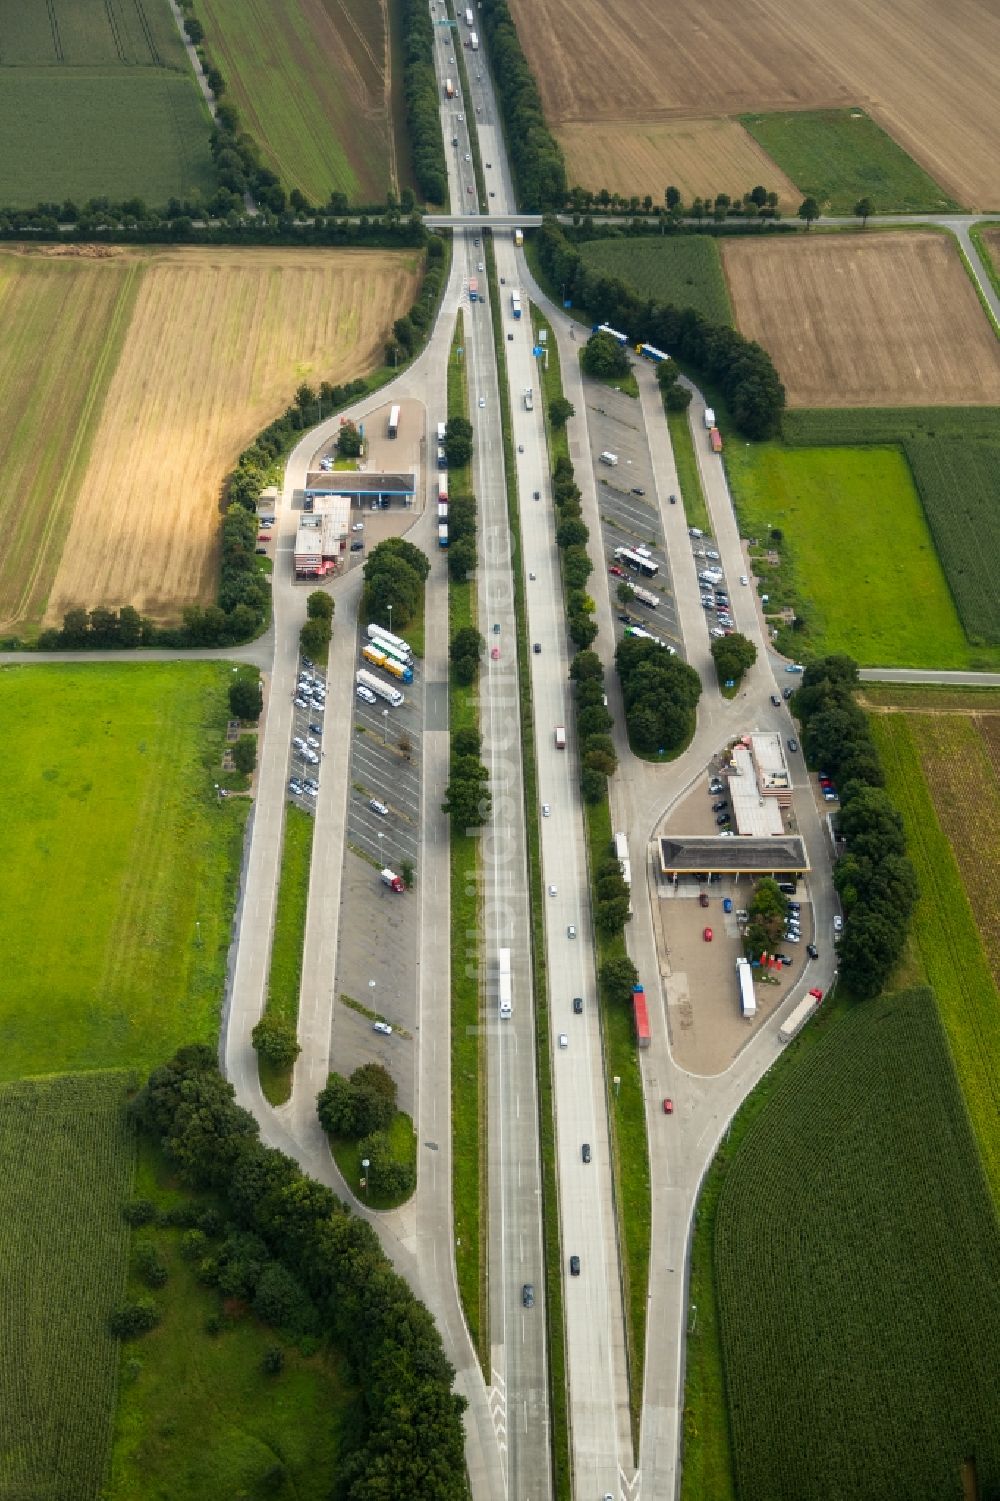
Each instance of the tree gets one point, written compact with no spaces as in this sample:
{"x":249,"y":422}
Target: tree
{"x":273,"y":1362}
{"x":466,"y":742}
{"x":586,"y":666}
{"x":374,"y":1098}
{"x":319,"y":605}
{"x":561,"y":409}
{"x":134,"y":1318}
{"x":678,"y":398}
{"x":571,"y":533}
{"x":458,"y":442}
{"x":672,"y":199}
{"x":758,"y":195}
{"x":336,"y":1107}
{"x":604,"y":358}
{"x":246,"y":698}
{"x":809,"y":211}
{"x":392,"y":583}
{"x":467,"y":646}
{"x":275,"y":1041}
{"x":245,"y":754}
{"x":733,"y":656}
{"x":467,"y":797}
{"x":349,"y":443}
{"x":582,"y":630}
{"x":618,"y":977}
{"x":864,"y":208}
{"x":314,"y":638}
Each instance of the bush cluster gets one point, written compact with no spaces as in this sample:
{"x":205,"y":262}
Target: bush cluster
{"x":874,"y":877}
{"x":463,"y":554}
{"x":317,"y":632}
{"x":536,"y":158}
{"x":394,"y":575}
{"x":572,"y":536}
{"x":468,"y":800}
{"x":363,"y":1107}
{"x":423,"y":108}
{"x":741,"y":369}
{"x":409,"y":1432}
{"x":593,"y":725}
{"x":661,"y":694}
{"x":733,"y":656}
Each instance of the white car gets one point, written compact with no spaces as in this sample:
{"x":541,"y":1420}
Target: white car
{"x":365,"y":694}
{"x":318,"y":706}
{"x":563,"y":1040}
{"x":710,"y":553}
{"x":546,"y":810}
{"x":480,"y":267}
{"x":382,"y":1027}
{"x":468,"y":158}
{"x":571,"y":931}
{"x":482,"y":401}
{"x":743,"y":578}
{"x":312,"y":742}
{"x":300,"y":702}
{"x":552,"y":890}
{"x":358,"y":526}
{"x":838,"y":923}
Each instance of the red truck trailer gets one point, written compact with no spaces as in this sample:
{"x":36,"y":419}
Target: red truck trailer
{"x":640,"y":1016}
{"x":715,"y":438}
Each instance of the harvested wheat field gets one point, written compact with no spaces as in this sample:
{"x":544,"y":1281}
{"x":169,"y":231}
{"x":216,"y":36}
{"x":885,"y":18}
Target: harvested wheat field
{"x":866,"y":319}
{"x":926,"y":72}
{"x":700,"y":157}
{"x":217,"y":342}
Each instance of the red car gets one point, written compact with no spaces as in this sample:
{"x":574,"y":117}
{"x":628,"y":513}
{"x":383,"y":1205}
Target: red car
{"x":703,"y":898}
{"x":619,"y":573}
{"x":668,"y":1107}
{"x":817,"y":995}
{"x":495,"y":654}
{"x":707,"y":935}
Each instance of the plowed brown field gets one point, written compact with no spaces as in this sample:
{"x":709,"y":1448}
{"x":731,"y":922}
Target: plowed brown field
{"x":866,"y":320}
{"x":645,"y":156}
{"x":927,"y":72}
{"x":216,"y":344}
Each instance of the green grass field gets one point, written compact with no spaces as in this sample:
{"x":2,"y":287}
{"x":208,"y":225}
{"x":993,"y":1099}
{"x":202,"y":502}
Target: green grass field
{"x":197,"y":1416}
{"x":119,"y":871}
{"x":688,"y":478}
{"x":310,"y":94}
{"x":856,"y":1253}
{"x":66,"y":1163}
{"x":955,"y":457}
{"x":99,"y":100}
{"x":858,"y":560}
{"x":285,"y":975}
{"x":945,"y":932}
{"x":840,"y":155}
{"x":685,"y":270}
{"x":403,"y":1147}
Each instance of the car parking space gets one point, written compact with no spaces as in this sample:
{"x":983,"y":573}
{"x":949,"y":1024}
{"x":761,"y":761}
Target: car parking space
{"x":379,"y":928}
{"x":307,"y":736}
{"x":716,"y":599}
{"x":629,"y":511}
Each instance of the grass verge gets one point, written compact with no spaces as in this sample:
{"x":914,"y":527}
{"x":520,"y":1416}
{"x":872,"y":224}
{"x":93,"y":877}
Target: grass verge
{"x":470,"y":1185}
{"x":206,"y":1357}
{"x":556,"y":1329}
{"x":402,"y":1148}
{"x":692,"y":495}
{"x":120,"y":862}
{"x":66,"y":1161}
{"x":285,"y":974}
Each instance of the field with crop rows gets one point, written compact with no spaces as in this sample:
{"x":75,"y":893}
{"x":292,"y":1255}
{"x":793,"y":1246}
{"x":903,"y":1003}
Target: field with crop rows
{"x":119,"y":873}
{"x":955,"y":458}
{"x":132,"y":381}
{"x":685,"y":271}
{"x":841,"y":155}
{"x":312,"y":81}
{"x":944,"y":804}
{"x":695,"y":156}
{"x":856,"y":1249}
{"x":856,"y":553}
{"x":923,"y":81}
{"x":865,"y":319}
{"x":98,"y":99}
{"x":66,"y":1162}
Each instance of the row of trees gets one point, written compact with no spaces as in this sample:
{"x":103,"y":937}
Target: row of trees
{"x":739,"y":367}
{"x":468,"y":801}
{"x":535,"y":155}
{"x":420,"y":93}
{"x":408,"y":1440}
{"x":572,"y":536}
{"x":463,"y":553}
{"x":362,"y":1108}
{"x":598,"y":760}
{"x":661,"y":694}
{"x":394,"y":574}
{"x":317,"y":632}
{"x":874,"y":877}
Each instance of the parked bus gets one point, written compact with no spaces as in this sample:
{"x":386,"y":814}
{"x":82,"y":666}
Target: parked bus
{"x":394,"y":422}
{"x":650,"y":352}
{"x":636,"y":562}
{"x":645,"y":597}
{"x":604,"y":328}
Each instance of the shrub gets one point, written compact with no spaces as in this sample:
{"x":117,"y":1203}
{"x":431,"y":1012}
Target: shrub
{"x":134,"y":1319}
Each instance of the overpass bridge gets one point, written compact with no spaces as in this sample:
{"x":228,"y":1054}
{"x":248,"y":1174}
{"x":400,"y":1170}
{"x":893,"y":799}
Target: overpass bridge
{"x":477,"y":221}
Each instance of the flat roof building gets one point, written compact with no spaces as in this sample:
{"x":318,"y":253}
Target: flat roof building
{"x":753,"y":812}
{"x":321,"y":537}
{"x":707,"y":854}
{"x":361,"y":487}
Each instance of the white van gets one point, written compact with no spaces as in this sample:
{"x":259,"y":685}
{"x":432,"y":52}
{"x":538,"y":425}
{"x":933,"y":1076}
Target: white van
{"x":609,"y":458}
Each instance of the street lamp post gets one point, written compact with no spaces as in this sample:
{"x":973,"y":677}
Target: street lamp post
{"x":389,"y":608}
{"x":385,"y":730}
{"x":365,"y":1164}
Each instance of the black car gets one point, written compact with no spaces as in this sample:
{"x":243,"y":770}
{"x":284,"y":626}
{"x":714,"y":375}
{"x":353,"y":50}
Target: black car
{"x":578,"y":1005}
{"x":537,"y":647}
{"x":812,"y":951}
{"x":787,"y":692}
{"x":720,"y":807}
{"x":315,"y":729}
{"x":723,"y":818}
{"x":536,"y":494}
{"x":528,"y":1295}
{"x":793,"y":744}
{"x":585,"y":1151}
{"x":625,"y":619}
{"x":715,"y":787}
{"x":357,"y":547}
{"x":574,"y":1266}
{"x":638,"y":490}
{"x":673,"y":500}
{"x":776,"y":701}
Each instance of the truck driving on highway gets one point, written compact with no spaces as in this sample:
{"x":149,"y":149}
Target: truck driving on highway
{"x":560,"y":737}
